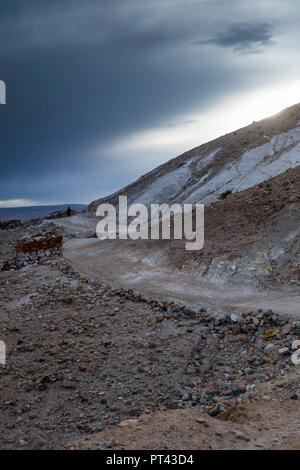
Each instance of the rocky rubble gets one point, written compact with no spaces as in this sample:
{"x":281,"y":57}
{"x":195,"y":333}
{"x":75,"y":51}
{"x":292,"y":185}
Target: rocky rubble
{"x":25,"y":259}
{"x":9,"y":225}
{"x":82,"y":355}
{"x":34,"y":249}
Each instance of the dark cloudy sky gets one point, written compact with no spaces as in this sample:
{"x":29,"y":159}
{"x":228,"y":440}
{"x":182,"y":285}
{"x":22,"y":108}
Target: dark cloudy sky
{"x":101,"y":91}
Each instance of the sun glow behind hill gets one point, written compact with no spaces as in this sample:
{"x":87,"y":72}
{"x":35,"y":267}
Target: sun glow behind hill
{"x":267,"y":102}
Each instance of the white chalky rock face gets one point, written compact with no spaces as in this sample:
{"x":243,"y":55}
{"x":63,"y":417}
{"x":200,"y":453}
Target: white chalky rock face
{"x":252,"y":167}
{"x":172,"y":184}
{"x":165,"y":187}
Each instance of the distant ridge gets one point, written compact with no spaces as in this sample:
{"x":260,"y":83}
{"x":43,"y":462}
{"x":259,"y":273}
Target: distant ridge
{"x":34,"y":212}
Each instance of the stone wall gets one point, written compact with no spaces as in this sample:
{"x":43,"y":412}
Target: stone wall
{"x":43,"y":243}
{"x":34,"y":249}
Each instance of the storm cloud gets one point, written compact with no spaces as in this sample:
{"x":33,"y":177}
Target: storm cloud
{"x":243,"y":37}
{"x":100,"y":92}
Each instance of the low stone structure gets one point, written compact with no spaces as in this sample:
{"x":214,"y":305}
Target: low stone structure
{"x":42,"y":243}
{"x":34,"y":249}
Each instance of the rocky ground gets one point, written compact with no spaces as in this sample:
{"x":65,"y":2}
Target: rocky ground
{"x":243,"y":427}
{"x":83,"y":357}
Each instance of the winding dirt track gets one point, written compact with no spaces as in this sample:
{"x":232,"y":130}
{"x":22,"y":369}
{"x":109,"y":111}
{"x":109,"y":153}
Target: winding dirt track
{"x":142,"y":266}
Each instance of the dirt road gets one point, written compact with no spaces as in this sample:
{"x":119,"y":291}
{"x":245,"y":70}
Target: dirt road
{"x":144,"y":267}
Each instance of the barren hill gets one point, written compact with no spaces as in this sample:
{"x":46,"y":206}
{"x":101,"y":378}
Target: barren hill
{"x":249,"y":182}
{"x":235,"y":162}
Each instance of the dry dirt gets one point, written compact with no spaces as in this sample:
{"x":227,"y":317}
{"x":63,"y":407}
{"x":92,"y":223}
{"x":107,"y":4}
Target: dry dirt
{"x":256,"y":426}
{"x":127,"y":264}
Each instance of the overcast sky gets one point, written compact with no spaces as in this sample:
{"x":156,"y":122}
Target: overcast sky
{"x":100,"y":92}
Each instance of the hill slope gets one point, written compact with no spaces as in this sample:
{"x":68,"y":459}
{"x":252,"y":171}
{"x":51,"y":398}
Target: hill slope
{"x":235,"y":162}
{"x":251,"y":235}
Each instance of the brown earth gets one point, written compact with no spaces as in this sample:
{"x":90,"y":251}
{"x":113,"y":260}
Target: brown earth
{"x":256,"y":426}
{"x":243,"y":219}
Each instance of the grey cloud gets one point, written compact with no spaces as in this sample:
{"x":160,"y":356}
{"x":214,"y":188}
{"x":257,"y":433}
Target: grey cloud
{"x":80,"y":75}
{"x":41,"y":26}
{"x":243,"y":37}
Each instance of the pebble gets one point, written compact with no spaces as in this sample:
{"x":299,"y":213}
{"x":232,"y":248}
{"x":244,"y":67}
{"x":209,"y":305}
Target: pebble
{"x":109,"y":444}
{"x":283,"y":351}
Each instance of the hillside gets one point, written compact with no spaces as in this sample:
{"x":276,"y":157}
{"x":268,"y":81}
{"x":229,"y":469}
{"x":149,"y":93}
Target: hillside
{"x":249,"y":182}
{"x":235,"y":162}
